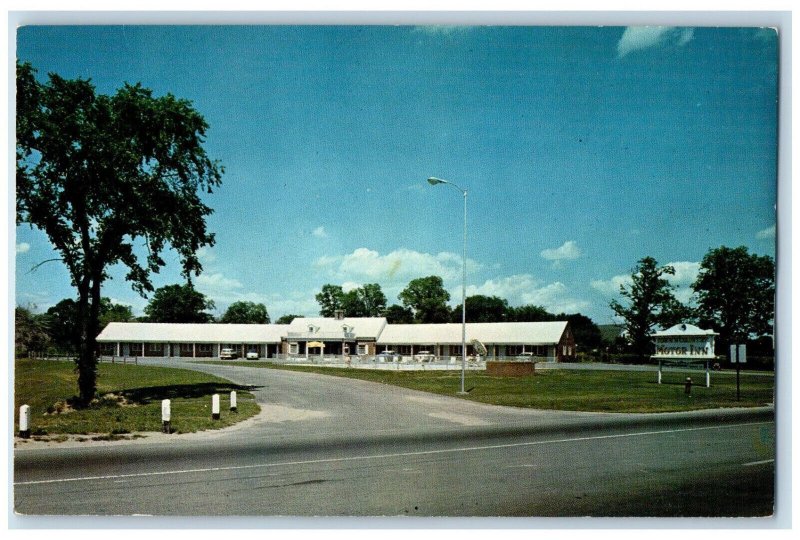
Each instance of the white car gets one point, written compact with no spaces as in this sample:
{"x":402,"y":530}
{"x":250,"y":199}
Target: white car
{"x":424,"y":356}
{"x":228,"y":353}
{"x":391,"y":356}
{"x":252,"y":355}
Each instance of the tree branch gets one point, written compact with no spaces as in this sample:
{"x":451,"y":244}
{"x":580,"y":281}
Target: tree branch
{"x":36,"y":267}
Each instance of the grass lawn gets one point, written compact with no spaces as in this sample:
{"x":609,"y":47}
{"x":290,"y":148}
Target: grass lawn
{"x":573,"y":390}
{"x":46,"y":385}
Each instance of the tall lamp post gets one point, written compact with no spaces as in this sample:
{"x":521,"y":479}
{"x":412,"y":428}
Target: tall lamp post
{"x":433,"y":181}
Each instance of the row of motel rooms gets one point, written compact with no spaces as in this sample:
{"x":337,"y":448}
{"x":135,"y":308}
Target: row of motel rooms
{"x":340,"y":336}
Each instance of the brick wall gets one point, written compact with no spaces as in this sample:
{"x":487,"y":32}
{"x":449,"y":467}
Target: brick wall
{"x":510,"y":369}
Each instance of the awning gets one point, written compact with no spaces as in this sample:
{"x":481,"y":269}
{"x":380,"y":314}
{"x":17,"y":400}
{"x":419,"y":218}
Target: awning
{"x":315,"y":344}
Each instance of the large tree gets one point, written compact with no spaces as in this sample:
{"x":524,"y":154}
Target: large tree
{"x":365,"y":301}
{"x":650,"y":300}
{"x":329,"y":299}
{"x":179,"y":304}
{"x":243,"y":312}
{"x":736,"y":294}
{"x":482,"y":308}
{"x":428,"y":299}
{"x":101,"y":174}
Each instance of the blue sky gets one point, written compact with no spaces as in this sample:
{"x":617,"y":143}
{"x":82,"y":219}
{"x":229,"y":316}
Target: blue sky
{"x":583,"y":149}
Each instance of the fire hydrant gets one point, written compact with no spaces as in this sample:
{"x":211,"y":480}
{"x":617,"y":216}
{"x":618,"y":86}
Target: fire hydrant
{"x":688,"y":386}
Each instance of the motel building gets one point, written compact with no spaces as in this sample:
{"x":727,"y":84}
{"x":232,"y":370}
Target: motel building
{"x":341,"y":339}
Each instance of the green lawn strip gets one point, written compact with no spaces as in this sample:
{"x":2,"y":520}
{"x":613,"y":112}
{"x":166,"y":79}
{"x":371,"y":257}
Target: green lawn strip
{"x":571,"y":390}
{"x":43,"y":385}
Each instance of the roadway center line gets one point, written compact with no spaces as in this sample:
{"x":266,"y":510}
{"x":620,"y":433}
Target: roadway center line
{"x":382,"y":456}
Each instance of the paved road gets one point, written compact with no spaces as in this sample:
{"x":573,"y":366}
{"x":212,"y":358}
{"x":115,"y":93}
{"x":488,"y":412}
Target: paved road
{"x":332,"y":446}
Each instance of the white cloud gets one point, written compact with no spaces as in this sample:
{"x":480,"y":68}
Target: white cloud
{"x":521,"y":289}
{"x":217,"y":282}
{"x":567,"y":251}
{"x":399,"y":265}
{"x":610,"y":287}
{"x":23,"y":247}
{"x":636,"y":38}
{"x":769,"y":232}
{"x":206,"y":255}
{"x":685,"y":274}
{"x":319,"y":232}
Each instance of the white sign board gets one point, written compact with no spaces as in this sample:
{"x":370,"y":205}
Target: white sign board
{"x":742,"y":354}
{"x":683,"y":347}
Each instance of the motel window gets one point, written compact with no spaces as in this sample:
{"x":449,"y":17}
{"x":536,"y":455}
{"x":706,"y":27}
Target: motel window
{"x":154,"y":349}
{"x":294,"y":348}
{"x":361,"y":349}
{"x":564,"y":350}
{"x":186,"y":349}
{"x":203,"y":349}
{"x":135,"y":349}
{"x":108,"y":349}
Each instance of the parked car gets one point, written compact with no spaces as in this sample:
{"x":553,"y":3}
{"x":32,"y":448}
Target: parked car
{"x":252,"y":355}
{"x":390,"y":356}
{"x":424,"y":356}
{"x":227,"y":353}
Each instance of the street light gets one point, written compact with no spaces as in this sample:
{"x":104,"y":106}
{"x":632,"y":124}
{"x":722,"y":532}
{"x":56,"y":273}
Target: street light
{"x":433,"y":181}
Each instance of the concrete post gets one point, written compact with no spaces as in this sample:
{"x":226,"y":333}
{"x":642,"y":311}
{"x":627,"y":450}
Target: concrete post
{"x":24,"y":421}
{"x":215,"y":407}
{"x":233,"y":401}
{"x":166,"y":416}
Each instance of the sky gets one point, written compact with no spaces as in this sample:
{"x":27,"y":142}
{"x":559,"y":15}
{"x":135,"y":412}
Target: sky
{"x":582,"y":150}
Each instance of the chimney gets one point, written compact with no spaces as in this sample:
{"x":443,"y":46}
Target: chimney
{"x":339,"y":314}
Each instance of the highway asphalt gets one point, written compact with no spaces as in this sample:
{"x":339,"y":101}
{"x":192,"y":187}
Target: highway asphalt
{"x":326,"y":446}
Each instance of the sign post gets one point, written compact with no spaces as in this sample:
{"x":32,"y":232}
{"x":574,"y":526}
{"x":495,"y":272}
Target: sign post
{"x":738,"y":357}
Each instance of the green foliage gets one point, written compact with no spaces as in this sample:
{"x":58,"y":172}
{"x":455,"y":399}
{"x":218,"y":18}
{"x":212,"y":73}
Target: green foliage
{"x":482,"y":308}
{"x":243,"y":312}
{"x":736,"y":294}
{"x":31,"y":331}
{"x":529,"y":313}
{"x":63,"y":320}
{"x":287,"y":319}
{"x":365,"y":301}
{"x":101,"y":174}
{"x":330,"y":300}
{"x":396,"y":314}
{"x":427,"y":298}
{"x":650,"y":303}
{"x":179,"y":304}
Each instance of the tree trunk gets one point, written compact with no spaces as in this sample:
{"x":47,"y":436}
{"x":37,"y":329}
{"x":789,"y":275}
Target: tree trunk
{"x":88,"y":317}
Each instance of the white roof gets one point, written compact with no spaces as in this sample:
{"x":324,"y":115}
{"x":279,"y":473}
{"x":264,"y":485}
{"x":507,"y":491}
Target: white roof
{"x":683,"y":330}
{"x":362,"y":327}
{"x":512,"y":333}
{"x":194,"y":333}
